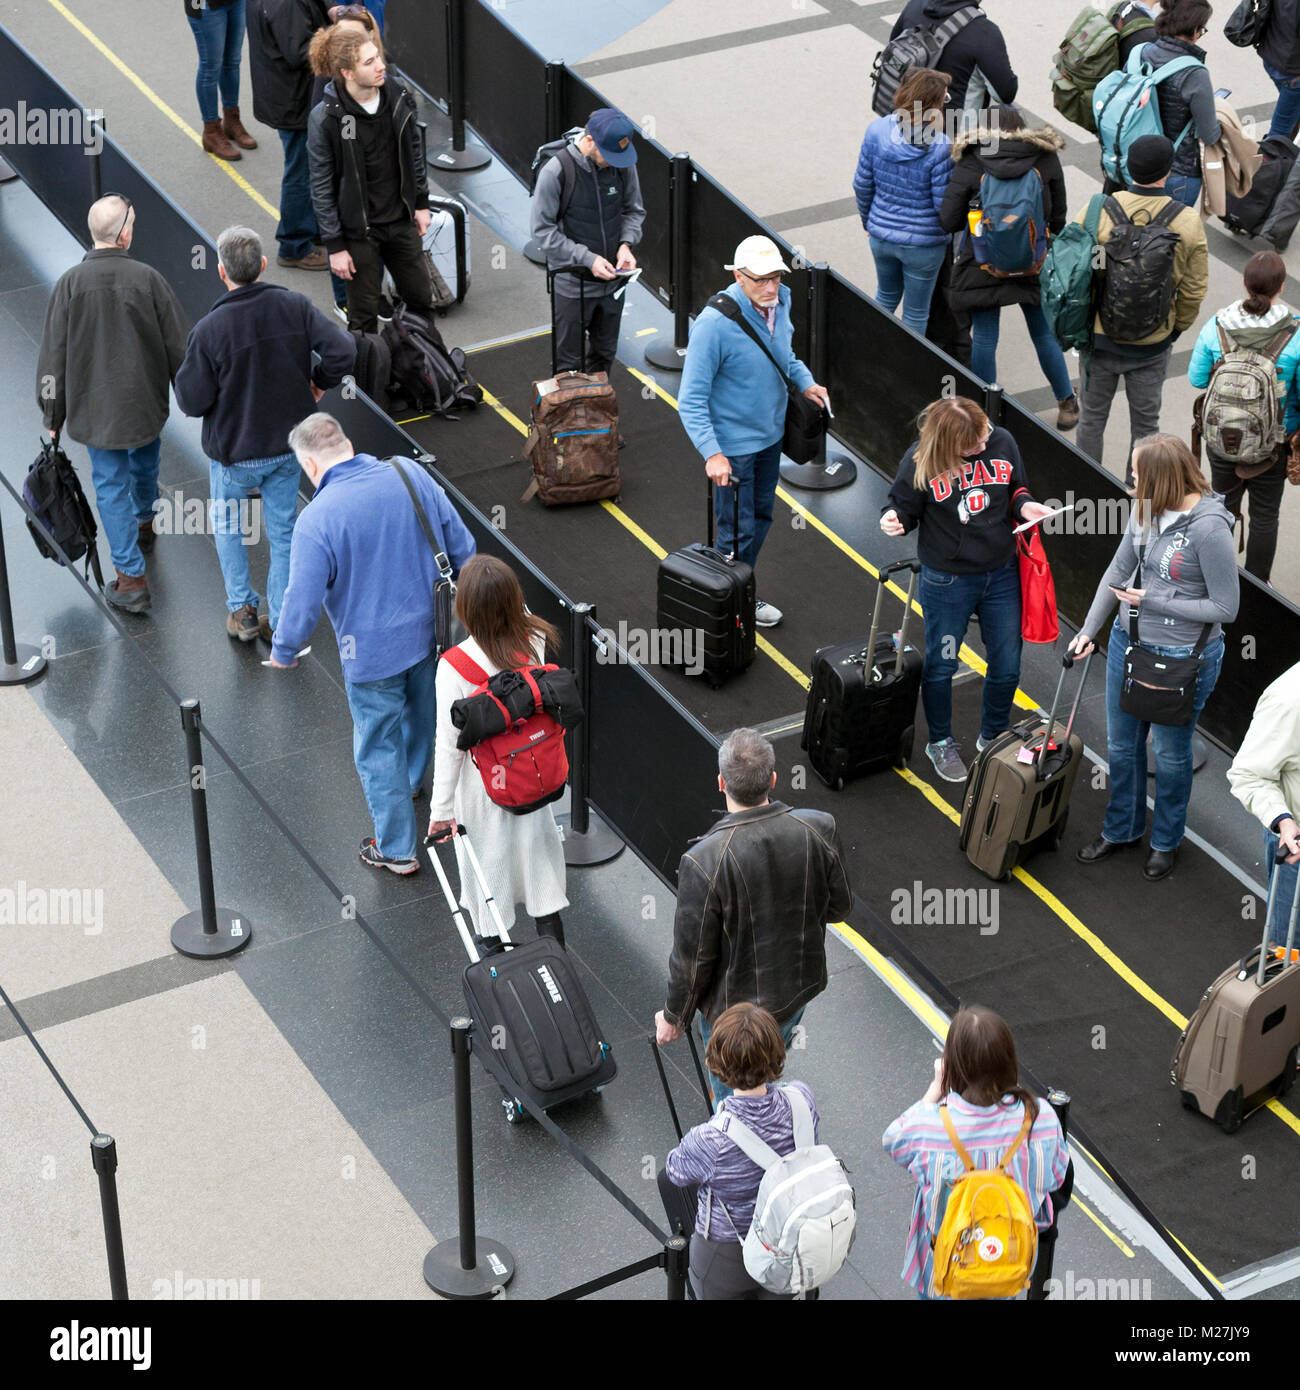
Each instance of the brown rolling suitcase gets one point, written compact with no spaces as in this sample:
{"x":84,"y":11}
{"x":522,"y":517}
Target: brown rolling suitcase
{"x":1239,"y":1048}
{"x":1018,"y":790}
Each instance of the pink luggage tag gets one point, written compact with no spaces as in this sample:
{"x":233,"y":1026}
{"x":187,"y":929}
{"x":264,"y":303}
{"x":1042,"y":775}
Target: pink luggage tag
{"x":1028,"y":754}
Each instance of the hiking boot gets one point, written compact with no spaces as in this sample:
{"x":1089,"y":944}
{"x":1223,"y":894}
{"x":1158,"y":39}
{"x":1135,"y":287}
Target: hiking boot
{"x":766,"y":614}
{"x":315,"y":259}
{"x":242,"y":623}
{"x":129,"y":592}
{"x":946,"y":757}
{"x":264,"y":629}
{"x":233,"y":129}
{"x":372,"y":859}
{"x":144,"y":534}
{"x":215,"y":141}
{"x":1067,"y":413}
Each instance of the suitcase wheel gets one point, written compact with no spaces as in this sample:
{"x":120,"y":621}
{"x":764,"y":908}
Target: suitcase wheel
{"x":1287,"y":1079}
{"x":1189,"y":1102}
{"x":514,"y":1111}
{"x":1231,"y":1112}
{"x":904,"y":753}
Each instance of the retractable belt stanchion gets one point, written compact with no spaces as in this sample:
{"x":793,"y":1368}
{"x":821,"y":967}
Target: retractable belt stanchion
{"x":456,"y":1268}
{"x":457,"y":154}
{"x":19,"y":662}
{"x":587,"y":839}
{"x":212,"y":930}
{"x":103,"y":1155}
{"x":668,"y":357}
{"x":1060,"y":1102}
{"x":831,"y":468}
{"x":677,"y":1262}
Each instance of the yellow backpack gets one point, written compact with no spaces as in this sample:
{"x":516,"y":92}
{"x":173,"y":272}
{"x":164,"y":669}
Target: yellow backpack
{"x":987,"y":1241}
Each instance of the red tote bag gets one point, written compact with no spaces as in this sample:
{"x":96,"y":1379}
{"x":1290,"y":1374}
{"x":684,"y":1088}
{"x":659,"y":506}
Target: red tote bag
{"x":1038,"y":618}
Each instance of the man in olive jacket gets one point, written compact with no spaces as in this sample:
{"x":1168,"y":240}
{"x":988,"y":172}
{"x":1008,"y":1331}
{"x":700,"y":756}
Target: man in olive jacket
{"x":753,"y":899}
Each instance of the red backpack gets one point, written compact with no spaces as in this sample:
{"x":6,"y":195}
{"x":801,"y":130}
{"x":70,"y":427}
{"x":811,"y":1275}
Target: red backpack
{"x":527,"y":766}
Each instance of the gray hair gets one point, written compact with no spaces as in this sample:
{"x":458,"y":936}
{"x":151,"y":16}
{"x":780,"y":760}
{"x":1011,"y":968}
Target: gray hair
{"x":746,"y":761}
{"x":316,"y":436}
{"x":107,"y":218}
{"x":239,"y":249}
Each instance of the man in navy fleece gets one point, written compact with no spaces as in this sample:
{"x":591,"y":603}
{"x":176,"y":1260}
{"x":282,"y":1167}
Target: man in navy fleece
{"x":360,"y":550}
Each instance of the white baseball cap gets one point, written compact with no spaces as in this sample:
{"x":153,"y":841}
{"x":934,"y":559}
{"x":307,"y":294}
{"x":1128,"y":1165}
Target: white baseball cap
{"x":758,"y":255}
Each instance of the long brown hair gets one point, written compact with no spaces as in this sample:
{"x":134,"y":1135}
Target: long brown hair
{"x":339,"y":46}
{"x":979,"y":1060}
{"x":1167,"y":472}
{"x":490,"y":603}
{"x":948,"y":427}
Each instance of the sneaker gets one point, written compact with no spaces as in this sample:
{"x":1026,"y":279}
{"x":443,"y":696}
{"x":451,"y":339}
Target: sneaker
{"x":946,"y":757}
{"x":982,"y":743}
{"x":129,"y":594}
{"x":242,"y":623}
{"x":315,"y":259}
{"x":372,"y":859}
{"x":385,"y":313}
{"x":341,"y":313}
{"x":766,"y":614}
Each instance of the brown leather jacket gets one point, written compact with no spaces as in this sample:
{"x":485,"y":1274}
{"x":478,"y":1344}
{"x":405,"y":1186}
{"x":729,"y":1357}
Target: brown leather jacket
{"x":753,"y":900}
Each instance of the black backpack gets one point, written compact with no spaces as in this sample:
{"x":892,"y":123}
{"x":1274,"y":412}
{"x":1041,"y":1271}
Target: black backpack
{"x":431,"y":376}
{"x":373,"y":369}
{"x":558,"y":149}
{"x":1137,"y":284}
{"x":53,"y":491}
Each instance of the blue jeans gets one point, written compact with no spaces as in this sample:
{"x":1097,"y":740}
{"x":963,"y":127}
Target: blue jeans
{"x":1183,"y":188}
{"x":720,"y":1088}
{"x":1286,"y":883}
{"x":126,"y":487}
{"x":756,"y":477}
{"x":984,"y":325}
{"x":392,"y":742}
{"x":219,"y":35}
{"x":1286,"y":114}
{"x":297,"y":231}
{"x":229,"y":488}
{"x":907,"y":273}
{"x":1126,"y":743}
{"x":948,"y":602}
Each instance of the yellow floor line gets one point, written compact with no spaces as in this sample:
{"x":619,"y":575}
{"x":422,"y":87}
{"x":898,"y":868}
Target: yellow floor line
{"x":150,"y":95}
{"x":645,"y":332}
{"x":504,"y":412}
{"x":1077,"y":1201}
{"x":623,"y":519}
{"x":1208,"y":1274}
{"x":412,"y":419}
{"x":916,"y":1001}
{"x":507,"y":342}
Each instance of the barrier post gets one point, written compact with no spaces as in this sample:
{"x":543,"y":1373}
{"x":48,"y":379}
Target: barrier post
{"x":457,"y":153}
{"x":19,"y":662}
{"x":993,"y":403}
{"x":96,"y":175}
{"x":669,"y":357}
{"x":454,"y":1268}
{"x":1060,"y":1102}
{"x":552,"y":130}
{"x":103,"y":1156}
{"x":587,"y":839}
{"x":831,"y":468}
{"x":676,"y":1261}
{"x":211,"y":931}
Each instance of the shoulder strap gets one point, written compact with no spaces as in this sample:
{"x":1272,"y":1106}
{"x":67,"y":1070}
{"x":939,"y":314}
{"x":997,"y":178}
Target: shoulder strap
{"x":1136,"y":583}
{"x":1165,"y":217}
{"x":805,"y":1135}
{"x":460,"y":662}
{"x":1227,"y":343}
{"x":952,"y":1135}
{"x":728,"y":308}
{"x":1025,"y":1126}
{"x":1277,"y":347}
{"x":568,"y":182}
{"x":1092,"y":218}
{"x":1115,"y":210}
{"x":746,"y":1140}
{"x":435,"y":542}
{"x":956,"y":22}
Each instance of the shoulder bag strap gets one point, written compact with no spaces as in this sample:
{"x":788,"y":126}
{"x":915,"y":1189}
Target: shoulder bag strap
{"x":952,"y":1135}
{"x":728,"y":308}
{"x":1136,"y":583}
{"x":439,"y":554}
{"x":805,"y":1135}
{"x":1026,"y":1125}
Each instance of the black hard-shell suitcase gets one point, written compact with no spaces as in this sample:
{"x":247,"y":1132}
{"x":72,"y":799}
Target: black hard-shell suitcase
{"x":1249,"y":214}
{"x":708,"y":597}
{"x":528,"y":1003}
{"x":681,"y":1204}
{"x":862,"y":702}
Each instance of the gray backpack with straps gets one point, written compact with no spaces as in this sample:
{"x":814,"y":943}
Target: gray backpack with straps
{"x":1241,"y":418}
{"x":804,"y":1214}
{"x":921,"y":47}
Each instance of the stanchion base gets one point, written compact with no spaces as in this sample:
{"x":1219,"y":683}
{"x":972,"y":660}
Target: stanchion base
{"x":665,"y":356}
{"x":7,"y":171}
{"x":29,"y":665}
{"x":234,"y":932}
{"x":533,"y":251}
{"x":598,"y":844}
{"x":1200,"y":756}
{"x":839,"y":470}
{"x":473,"y":156}
{"x":444,"y":1275}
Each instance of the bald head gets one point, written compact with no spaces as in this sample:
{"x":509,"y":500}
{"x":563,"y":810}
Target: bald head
{"x":111,"y":221}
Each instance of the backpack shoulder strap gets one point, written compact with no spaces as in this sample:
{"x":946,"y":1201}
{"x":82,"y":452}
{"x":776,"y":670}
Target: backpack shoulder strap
{"x":1092,"y":218}
{"x":956,"y":22}
{"x":746,"y":1140}
{"x":1165,"y":217}
{"x":1277,"y":347}
{"x":1026,"y":1125}
{"x":568,"y":181}
{"x":804,"y":1134}
{"x":1115,"y":211}
{"x":1227,"y":343}
{"x":460,"y":662}
{"x":953,"y":1137}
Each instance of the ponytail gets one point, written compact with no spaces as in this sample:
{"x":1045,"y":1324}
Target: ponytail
{"x":1264,"y":276}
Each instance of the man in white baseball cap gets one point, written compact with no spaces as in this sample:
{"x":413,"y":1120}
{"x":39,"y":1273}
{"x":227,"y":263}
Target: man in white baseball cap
{"x":733,"y":397}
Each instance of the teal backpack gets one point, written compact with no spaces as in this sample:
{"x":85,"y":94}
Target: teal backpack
{"x":1010,"y":237}
{"x":1066,"y":282}
{"x":1126,"y":108}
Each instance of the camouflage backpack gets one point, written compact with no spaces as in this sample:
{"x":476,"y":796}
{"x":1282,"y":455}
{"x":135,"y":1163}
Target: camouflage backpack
{"x":1241,"y":417}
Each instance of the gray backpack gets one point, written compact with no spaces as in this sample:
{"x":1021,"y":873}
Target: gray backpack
{"x":1242,"y":414}
{"x":804,"y":1214}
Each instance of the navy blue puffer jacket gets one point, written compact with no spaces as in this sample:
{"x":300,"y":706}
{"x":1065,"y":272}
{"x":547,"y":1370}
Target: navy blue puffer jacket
{"x":901,"y":177}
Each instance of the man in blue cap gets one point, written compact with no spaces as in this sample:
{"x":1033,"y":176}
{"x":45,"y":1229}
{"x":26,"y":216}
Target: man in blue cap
{"x":587,"y":212}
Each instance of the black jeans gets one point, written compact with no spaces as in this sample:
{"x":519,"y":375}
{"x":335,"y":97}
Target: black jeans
{"x":1265,"y":492}
{"x":395,"y":245}
{"x":599,"y":315}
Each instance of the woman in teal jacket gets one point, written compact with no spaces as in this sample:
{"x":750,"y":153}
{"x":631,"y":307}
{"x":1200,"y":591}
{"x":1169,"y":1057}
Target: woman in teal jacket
{"x":1257,"y":321}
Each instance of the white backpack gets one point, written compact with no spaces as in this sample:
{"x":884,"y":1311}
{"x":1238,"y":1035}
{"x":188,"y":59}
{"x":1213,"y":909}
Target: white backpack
{"x":804,"y":1214}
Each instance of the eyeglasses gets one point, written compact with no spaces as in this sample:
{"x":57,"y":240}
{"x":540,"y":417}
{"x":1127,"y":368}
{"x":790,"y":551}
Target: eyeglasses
{"x":358,"y":12}
{"x":763,"y":279}
{"x":130,"y":208}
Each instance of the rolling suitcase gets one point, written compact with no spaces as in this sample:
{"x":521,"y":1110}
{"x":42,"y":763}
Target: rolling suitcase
{"x":1239,"y":1048}
{"x":1248,"y":215}
{"x":703,"y":592}
{"x":1018,"y":790}
{"x":529,"y":1004}
{"x":446,"y":245}
{"x":862,"y":702}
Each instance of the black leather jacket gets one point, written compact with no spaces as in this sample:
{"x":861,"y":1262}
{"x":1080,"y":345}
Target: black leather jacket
{"x":753,"y":900}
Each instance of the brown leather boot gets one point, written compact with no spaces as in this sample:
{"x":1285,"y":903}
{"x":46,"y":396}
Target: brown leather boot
{"x":233,"y":128}
{"x":215,"y":142}
{"x":128,"y":592}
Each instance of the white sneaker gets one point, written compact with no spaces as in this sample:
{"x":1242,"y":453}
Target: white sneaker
{"x":341,"y":313}
{"x":766,"y":614}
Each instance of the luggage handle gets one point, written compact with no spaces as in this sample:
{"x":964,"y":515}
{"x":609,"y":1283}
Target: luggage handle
{"x":1067,"y":661}
{"x":579,"y":271}
{"x":735,"y":516}
{"x":457,"y":915}
{"x":1268,"y":919}
{"x":663,"y":1081}
{"x":477,"y":868}
{"x":914,"y":566}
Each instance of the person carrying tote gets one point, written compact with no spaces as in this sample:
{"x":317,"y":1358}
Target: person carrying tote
{"x":1176,"y":578}
{"x":963,"y":487}
{"x":1259,"y":323}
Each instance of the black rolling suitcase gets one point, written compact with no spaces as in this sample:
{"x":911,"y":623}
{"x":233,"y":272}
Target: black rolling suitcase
{"x":862,"y":703}
{"x":708,"y":597}
{"x":681,"y":1204}
{"x":530,"y":1000}
{"x":1249,"y":214}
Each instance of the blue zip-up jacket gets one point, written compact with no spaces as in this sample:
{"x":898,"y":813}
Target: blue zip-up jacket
{"x":732,"y":399}
{"x":900,"y":182}
{"x":358,"y":549}
{"x":1248,"y":331}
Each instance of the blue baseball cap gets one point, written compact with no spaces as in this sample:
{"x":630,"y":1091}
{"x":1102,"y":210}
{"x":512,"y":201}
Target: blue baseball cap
{"x":613,"y":132}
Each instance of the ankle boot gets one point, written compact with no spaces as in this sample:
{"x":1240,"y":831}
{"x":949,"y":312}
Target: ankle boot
{"x":233,"y":129}
{"x":1067,"y":413}
{"x":551,"y":926}
{"x":215,"y":141}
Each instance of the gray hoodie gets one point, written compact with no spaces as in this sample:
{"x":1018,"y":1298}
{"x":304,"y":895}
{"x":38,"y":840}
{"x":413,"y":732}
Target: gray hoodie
{"x":1189,"y":574}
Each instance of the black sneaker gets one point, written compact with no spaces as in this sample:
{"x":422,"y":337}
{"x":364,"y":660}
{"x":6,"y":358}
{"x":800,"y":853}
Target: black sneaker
{"x":372,"y":859}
